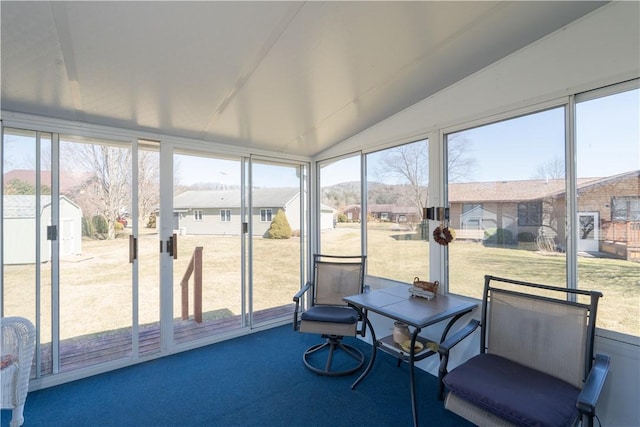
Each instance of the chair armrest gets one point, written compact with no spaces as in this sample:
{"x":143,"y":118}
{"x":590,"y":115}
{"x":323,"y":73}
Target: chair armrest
{"x":450,"y":342}
{"x":296,"y":299}
{"x":588,"y":397}
{"x":298,"y":295}
{"x":445,"y":346}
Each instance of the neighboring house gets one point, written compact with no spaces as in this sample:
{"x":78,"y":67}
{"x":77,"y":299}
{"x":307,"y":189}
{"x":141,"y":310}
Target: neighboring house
{"x":19,"y":228}
{"x":217,"y":212}
{"x":394,"y":213}
{"x":352,"y":212}
{"x":609,"y":210}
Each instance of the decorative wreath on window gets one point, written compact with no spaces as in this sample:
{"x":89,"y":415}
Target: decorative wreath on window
{"x":443,"y":235}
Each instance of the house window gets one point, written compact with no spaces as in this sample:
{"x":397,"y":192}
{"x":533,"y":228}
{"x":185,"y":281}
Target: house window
{"x":530,"y":213}
{"x":225,"y":215}
{"x":197,"y":215}
{"x":625,"y":209}
{"x":265,"y":215}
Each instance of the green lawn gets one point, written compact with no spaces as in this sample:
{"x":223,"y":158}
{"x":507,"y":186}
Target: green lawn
{"x":96,"y":291}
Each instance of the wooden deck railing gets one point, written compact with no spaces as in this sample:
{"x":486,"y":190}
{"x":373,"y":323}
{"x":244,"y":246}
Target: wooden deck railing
{"x":194,"y":267}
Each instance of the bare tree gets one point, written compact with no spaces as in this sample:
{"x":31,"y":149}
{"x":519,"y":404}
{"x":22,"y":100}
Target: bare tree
{"x":408,"y":164}
{"x":553,"y":169}
{"x":459,"y":165}
{"x":107,"y":189}
{"x":148,"y":183}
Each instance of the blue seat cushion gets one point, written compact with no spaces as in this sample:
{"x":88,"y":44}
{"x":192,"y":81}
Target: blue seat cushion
{"x":515,"y":392}
{"x":330,"y":314}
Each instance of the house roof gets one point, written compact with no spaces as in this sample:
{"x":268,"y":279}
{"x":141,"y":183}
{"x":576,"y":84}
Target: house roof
{"x":506,"y":191}
{"x":261,"y":197}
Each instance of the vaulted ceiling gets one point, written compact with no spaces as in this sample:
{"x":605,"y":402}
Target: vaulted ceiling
{"x":285,"y":77}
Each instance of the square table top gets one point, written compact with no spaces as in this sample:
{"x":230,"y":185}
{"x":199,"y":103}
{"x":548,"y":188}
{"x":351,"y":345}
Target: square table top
{"x":397,"y":303}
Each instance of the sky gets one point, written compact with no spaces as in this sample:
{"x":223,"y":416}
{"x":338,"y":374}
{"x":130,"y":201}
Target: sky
{"x":608,"y":135}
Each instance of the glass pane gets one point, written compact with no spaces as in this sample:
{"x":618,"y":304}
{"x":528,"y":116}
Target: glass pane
{"x":397,"y":188}
{"x":27,"y":212}
{"x":209,"y":248}
{"x":608,"y":153}
{"x":276,"y":227}
{"x":506,"y":186}
{"x":148,"y":238}
{"x":340,"y":208}
{"x":95,"y":274}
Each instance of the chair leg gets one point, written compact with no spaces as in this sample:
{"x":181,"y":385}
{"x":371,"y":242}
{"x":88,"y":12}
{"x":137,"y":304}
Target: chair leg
{"x":334,"y":344}
{"x":17,"y":416}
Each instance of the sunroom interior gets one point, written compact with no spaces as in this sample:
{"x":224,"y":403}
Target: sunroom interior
{"x":151,"y":152}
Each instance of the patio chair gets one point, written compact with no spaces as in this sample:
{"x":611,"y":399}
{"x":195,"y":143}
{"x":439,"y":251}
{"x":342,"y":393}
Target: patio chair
{"x":536,"y":364}
{"x":334,"y":277}
{"x":18,"y":344}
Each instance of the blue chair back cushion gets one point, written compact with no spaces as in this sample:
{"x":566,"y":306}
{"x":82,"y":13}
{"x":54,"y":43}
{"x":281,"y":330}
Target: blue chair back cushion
{"x":320,"y":313}
{"x":514,"y":392}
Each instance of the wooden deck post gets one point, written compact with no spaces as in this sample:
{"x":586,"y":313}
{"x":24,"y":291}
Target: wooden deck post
{"x":194,"y":267}
{"x":197,"y":285}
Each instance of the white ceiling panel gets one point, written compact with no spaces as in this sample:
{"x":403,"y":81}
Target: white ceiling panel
{"x":285,"y":77}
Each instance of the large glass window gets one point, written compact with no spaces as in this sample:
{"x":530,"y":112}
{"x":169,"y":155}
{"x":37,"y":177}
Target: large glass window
{"x":397,"y":188}
{"x":340,"y":206}
{"x":506,"y":186}
{"x":608,"y":171}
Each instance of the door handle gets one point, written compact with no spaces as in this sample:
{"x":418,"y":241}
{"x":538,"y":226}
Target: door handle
{"x":133,"y":249}
{"x":172,"y":246}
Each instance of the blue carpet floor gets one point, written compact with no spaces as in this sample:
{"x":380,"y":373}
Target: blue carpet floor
{"x":255,"y":380}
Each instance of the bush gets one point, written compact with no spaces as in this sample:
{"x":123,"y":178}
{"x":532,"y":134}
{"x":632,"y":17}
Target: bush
{"x":100,"y":225}
{"x":87,"y":227}
{"x":499,"y":236}
{"x":279,"y":228}
{"x":151,"y":222}
{"x":526,"y":236}
{"x":342,"y":217}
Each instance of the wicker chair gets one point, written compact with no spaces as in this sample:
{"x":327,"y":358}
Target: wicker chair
{"x":334,"y":277}
{"x":18,"y":344}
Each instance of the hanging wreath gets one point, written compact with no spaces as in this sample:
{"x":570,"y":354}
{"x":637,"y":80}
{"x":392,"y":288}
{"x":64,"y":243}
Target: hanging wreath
{"x":443,"y":235}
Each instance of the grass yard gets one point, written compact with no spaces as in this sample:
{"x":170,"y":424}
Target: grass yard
{"x":96,"y":287}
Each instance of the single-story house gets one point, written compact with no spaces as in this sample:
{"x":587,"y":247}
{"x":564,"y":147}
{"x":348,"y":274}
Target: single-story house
{"x":394,"y":213}
{"x":217,"y":212}
{"x":19,"y":226}
{"x":538,"y":207}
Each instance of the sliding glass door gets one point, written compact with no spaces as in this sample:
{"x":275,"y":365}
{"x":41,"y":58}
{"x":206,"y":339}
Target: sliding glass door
{"x":206,"y":223}
{"x":278,"y":231}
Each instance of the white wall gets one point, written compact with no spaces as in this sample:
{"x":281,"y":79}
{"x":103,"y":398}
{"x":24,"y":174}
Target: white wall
{"x":602,"y":48}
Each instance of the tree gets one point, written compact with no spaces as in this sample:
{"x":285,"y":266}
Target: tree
{"x":408,"y":165}
{"x":553,"y":169}
{"x":279,"y":228}
{"x":107,"y":190}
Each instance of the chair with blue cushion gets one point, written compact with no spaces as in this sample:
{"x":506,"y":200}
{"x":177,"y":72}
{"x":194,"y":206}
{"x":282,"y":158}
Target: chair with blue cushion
{"x":536,"y":365}
{"x":334,"y":277}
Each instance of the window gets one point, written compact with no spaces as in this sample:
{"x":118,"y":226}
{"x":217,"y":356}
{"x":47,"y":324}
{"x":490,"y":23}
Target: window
{"x":625,"y":209}
{"x":607,"y":153}
{"x":397,"y":186}
{"x":197,"y":215}
{"x":530,"y":213}
{"x":265,"y":215}
{"x":494,"y":171}
{"x":225,"y":215}
{"x":340,"y":204}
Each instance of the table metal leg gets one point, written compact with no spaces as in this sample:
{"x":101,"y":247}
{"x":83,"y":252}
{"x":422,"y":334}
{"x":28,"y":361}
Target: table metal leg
{"x":374,"y":345}
{"x":412,"y":379}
